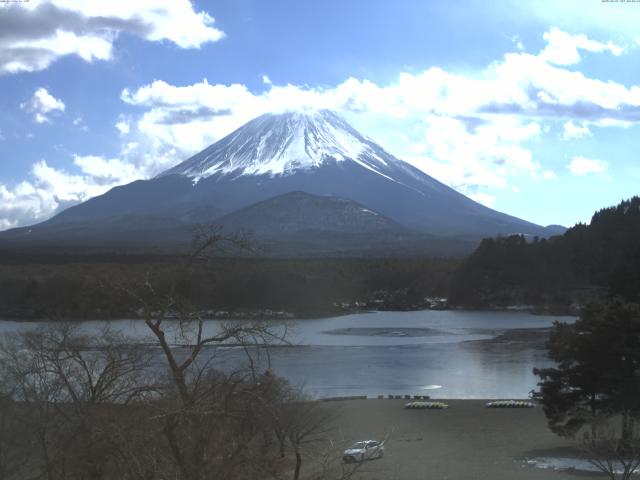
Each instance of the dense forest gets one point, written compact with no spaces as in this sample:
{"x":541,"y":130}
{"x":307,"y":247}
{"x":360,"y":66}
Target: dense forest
{"x":598,"y":260}
{"x":94,"y":286}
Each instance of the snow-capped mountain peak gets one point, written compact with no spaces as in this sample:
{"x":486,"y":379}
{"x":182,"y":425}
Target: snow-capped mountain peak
{"x":281,"y":144}
{"x":316,"y":154}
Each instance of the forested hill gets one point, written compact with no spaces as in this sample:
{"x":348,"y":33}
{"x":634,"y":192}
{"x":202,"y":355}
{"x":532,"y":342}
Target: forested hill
{"x":596,"y":260}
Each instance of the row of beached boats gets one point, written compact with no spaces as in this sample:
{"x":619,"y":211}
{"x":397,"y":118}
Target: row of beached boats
{"x":492,"y":404}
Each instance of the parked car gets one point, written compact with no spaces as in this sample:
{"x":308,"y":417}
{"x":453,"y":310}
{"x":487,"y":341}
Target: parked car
{"x":365,"y":450}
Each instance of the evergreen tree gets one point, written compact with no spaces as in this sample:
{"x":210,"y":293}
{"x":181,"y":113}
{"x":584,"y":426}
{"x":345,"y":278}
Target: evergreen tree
{"x":598,"y":369}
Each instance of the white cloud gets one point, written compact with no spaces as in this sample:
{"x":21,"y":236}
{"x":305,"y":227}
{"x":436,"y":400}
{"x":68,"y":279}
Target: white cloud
{"x":520,"y":84}
{"x":266,"y":80}
{"x":582,"y":166}
{"x":549,"y":175}
{"x":79,"y":122}
{"x":49,"y":190}
{"x":572,"y":130}
{"x":41,"y":104}
{"x":99,"y":170}
{"x":34,"y":34}
{"x":563,"y":48}
{"x":486,"y":156}
{"x":123,"y":126}
{"x":483,"y":198}
{"x":517,"y":42}
{"x":173,"y":20}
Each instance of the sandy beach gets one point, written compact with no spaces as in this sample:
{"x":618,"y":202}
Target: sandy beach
{"x":466,"y":441}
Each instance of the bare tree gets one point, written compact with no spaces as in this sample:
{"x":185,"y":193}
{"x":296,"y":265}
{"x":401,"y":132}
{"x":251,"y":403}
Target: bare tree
{"x":199,"y":402}
{"x":308,"y":422}
{"x":208,"y":416}
{"x":310,"y":428}
{"x":616,"y":458}
{"x":67,"y":387}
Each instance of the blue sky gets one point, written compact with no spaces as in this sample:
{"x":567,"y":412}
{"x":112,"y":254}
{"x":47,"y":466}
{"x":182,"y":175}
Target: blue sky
{"x":529,"y":107}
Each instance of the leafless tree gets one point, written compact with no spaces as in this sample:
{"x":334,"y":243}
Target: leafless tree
{"x":67,"y":388}
{"x":309,"y":428}
{"x":308,"y":423}
{"x":208,"y":416}
{"x":615,"y":458}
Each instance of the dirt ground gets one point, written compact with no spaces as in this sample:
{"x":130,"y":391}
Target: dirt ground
{"x":466,"y":441}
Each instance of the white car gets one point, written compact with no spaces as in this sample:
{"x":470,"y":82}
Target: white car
{"x":365,"y":450}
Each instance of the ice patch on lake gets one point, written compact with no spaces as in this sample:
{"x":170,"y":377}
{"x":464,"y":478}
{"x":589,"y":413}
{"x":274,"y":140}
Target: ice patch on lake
{"x":386,"y":332}
{"x":567,"y":464}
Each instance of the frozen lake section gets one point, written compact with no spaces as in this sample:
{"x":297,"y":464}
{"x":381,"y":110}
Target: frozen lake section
{"x":437,"y":353}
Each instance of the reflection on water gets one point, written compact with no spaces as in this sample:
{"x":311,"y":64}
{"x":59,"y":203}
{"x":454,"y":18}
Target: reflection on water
{"x":438,"y":351}
{"x":460,"y":371}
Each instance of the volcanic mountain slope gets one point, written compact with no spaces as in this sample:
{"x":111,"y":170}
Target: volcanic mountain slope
{"x":117,"y":233}
{"x":317,"y":153}
{"x":294,"y":224}
{"x":297,"y":212}
{"x":300,"y":224}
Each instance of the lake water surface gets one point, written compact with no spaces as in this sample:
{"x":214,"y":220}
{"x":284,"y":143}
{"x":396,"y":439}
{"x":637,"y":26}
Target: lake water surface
{"x":444,"y":354}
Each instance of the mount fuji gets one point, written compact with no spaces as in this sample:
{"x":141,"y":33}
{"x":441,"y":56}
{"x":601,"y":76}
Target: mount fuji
{"x":288,"y":177}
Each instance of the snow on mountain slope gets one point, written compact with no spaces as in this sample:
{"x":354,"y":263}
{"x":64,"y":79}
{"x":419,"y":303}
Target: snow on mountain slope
{"x":281,"y":144}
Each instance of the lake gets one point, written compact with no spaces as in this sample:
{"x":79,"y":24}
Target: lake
{"x":444,"y":354}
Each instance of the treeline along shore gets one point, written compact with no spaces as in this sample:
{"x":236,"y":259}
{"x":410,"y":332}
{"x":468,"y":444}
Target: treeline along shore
{"x":555,"y":275}
{"x":65,"y":286}
{"x":588,"y":262}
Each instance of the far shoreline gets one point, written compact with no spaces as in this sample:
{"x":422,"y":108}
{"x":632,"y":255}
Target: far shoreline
{"x":266,"y":315}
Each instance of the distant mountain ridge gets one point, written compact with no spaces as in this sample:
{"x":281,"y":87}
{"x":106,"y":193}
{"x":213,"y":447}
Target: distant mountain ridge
{"x":317,"y":153}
